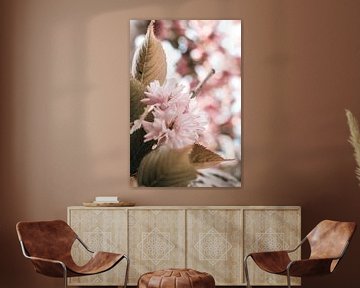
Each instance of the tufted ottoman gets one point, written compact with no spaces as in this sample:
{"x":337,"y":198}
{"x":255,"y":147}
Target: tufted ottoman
{"x":176,"y":278}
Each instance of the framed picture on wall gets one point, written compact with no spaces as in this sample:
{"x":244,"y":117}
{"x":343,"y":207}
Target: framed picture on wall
{"x":185,"y":103}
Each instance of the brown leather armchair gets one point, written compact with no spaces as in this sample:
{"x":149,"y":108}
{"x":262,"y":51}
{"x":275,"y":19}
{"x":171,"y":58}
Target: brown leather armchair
{"x":48,"y":245}
{"x":328,"y":242}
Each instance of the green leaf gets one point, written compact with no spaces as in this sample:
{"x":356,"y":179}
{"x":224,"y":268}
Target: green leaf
{"x":164,"y":167}
{"x":138,"y":149}
{"x":149,"y":61}
{"x":136,"y":94}
{"x":201,"y":157}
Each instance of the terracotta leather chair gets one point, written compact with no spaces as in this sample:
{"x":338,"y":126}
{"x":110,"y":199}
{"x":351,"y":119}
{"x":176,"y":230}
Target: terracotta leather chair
{"x":328,"y":242}
{"x":48,"y":245}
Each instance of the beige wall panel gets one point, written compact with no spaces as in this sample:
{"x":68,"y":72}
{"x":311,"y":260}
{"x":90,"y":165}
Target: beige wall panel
{"x":101,"y":230}
{"x":269,"y":230}
{"x":214,"y":244}
{"x":156,"y":240}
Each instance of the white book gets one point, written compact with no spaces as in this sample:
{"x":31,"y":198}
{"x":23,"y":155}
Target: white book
{"x":107,"y":199}
{"x":105,"y":202}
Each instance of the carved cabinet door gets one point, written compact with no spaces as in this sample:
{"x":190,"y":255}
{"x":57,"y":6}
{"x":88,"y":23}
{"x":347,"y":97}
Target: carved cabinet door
{"x":101,"y":230}
{"x":214,"y":244}
{"x":271,"y":230}
{"x":156,"y":240}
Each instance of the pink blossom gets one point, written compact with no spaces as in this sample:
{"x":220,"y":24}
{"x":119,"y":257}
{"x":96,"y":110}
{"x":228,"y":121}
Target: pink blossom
{"x":162,"y":96}
{"x":178,"y":122}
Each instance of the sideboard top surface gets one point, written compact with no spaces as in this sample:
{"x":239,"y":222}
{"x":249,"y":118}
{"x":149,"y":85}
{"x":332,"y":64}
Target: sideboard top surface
{"x":193,"y":207}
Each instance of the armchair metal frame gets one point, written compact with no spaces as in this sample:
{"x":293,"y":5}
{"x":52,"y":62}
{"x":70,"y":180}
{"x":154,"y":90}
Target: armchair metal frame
{"x":315,"y":262}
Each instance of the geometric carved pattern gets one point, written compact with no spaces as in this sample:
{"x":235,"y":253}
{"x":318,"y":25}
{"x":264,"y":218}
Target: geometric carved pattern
{"x":98,"y":240}
{"x":213,"y":246}
{"x":269,"y":241}
{"x":156,"y":246}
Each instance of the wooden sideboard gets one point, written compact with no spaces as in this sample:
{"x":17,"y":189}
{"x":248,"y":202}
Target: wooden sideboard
{"x":213,"y":239}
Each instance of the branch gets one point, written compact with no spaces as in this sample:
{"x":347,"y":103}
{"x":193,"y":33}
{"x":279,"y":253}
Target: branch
{"x":196,"y":91}
{"x":137,"y":123}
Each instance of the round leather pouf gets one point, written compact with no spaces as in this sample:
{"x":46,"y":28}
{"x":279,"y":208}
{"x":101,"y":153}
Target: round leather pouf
{"x":176,"y":278}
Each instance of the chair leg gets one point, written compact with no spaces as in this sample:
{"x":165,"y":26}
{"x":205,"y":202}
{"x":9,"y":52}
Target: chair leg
{"x":127,"y":271}
{"x":65,"y":276}
{"x":288,"y":278}
{"x":246,"y":270}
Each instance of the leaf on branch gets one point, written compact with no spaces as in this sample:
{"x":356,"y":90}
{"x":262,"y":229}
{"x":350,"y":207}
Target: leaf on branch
{"x":164,"y":167}
{"x":201,"y":157}
{"x":149,"y":61}
{"x":136,"y":94}
{"x":354,"y":140}
{"x":138,"y":149}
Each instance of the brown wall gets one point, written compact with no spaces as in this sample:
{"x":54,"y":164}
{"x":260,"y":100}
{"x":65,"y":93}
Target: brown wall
{"x":64,"y":113}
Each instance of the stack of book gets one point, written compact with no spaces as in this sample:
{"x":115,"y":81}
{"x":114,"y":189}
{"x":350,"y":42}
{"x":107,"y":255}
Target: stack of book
{"x":106,"y":199}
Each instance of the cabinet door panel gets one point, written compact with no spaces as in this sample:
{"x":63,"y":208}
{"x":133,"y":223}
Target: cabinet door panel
{"x":156,"y":240}
{"x":100,"y":230}
{"x":271,"y":230}
{"x":214,"y":244}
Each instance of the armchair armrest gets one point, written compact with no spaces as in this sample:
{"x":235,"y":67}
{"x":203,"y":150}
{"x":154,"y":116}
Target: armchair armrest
{"x":49,"y":267}
{"x":298,"y":246}
{"x":83,"y":244}
{"x":271,"y":261}
{"x":308,"y":267}
{"x":46,"y":260}
{"x":314,"y":266}
{"x":279,"y":251}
